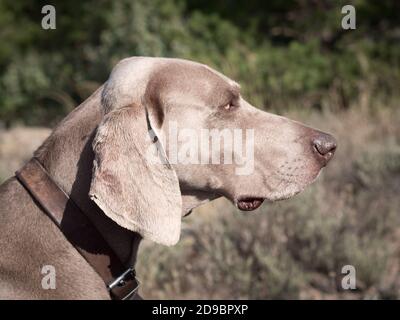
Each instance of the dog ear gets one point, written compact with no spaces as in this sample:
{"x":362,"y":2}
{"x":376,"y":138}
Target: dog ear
{"x":137,"y":193}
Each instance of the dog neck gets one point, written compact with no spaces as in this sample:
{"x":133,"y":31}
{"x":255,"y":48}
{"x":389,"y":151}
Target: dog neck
{"x":67,"y":155}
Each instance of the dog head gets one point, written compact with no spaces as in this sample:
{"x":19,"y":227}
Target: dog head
{"x":173,"y":125}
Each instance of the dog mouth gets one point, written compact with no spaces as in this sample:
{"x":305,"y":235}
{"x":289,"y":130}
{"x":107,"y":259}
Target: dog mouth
{"x":249,"y":204}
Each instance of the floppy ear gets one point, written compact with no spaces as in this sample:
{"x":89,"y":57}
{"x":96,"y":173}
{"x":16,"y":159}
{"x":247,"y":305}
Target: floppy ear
{"x":138,"y":194}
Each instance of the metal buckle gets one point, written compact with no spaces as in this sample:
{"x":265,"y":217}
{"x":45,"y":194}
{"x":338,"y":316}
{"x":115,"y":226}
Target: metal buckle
{"x":120,"y":281}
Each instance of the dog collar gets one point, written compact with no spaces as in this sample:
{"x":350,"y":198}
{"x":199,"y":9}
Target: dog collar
{"x":120,"y":281}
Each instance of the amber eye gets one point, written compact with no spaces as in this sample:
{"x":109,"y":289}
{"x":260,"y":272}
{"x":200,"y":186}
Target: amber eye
{"x":229,"y":106}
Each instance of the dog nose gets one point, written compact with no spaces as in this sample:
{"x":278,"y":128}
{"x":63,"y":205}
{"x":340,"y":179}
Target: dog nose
{"x":324,"y":146}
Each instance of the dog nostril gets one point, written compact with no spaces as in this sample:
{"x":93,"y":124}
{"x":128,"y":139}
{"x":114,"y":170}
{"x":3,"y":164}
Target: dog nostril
{"x":325,"y":145}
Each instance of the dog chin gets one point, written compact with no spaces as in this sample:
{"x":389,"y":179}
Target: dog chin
{"x":253,"y":202}
{"x":278,"y":196}
{"x":291,"y":190}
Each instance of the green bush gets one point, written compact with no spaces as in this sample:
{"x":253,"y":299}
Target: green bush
{"x":284,"y":53}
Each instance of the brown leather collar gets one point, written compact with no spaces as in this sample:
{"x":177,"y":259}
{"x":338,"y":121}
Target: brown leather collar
{"x":120,"y":281}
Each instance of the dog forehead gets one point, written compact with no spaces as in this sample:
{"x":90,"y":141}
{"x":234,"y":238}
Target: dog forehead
{"x":182,"y":78}
{"x":187,"y":72}
{"x":150,"y":67}
{"x":132,"y":78}
{"x":195,"y":69}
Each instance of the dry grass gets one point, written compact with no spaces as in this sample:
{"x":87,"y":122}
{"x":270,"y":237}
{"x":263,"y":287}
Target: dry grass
{"x":17,"y":146}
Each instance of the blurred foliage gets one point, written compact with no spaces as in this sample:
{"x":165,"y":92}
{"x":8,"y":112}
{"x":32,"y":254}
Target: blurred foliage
{"x":280,"y":51}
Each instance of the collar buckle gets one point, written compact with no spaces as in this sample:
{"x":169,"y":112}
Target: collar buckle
{"x":125,"y":286}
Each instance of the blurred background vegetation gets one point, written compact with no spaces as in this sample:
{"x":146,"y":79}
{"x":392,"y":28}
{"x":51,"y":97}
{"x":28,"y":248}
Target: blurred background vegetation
{"x":291,"y":57}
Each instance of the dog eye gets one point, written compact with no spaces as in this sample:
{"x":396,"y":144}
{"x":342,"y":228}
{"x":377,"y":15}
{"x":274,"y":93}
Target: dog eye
{"x":229,"y":106}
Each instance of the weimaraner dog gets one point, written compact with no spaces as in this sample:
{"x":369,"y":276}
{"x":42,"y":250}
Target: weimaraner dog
{"x":102,"y":156}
